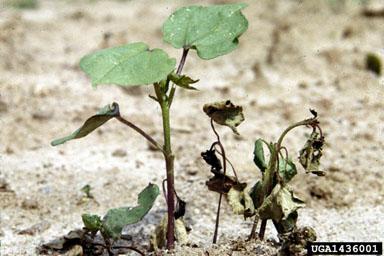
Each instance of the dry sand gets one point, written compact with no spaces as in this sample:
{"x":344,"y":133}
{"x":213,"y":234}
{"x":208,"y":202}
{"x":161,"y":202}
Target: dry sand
{"x":295,"y":55}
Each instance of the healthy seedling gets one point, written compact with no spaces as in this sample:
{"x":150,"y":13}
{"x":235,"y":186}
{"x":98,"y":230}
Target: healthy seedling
{"x":211,"y":31}
{"x":270,"y":198}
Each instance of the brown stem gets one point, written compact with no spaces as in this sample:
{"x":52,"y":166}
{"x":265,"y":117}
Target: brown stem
{"x":262,"y":229}
{"x":141,"y":132}
{"x":224,"y":170}
{"x":254,"y":227}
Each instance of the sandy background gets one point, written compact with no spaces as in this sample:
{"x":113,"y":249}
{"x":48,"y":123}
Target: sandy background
{"x":295,"y":55}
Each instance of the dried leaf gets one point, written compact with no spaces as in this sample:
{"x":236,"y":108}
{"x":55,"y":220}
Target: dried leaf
{"x":159,"y":236}
{"x":225,"y":113}
{"x":311,"y":153}
{"x":279,"y":204}
{"x":221,"y":183}
{"x":211,"y":159}
{"x":241,"y":201}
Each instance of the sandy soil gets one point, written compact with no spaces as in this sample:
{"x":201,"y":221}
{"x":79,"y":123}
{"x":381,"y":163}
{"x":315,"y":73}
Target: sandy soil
{"x":295,"y":55}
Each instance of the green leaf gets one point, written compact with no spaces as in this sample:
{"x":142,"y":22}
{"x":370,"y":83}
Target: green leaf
{"x":279,"y":204}
{"x":213,"y":31}
{"x":91,"y":222}
{"x":91,"y":124}
{"x":287,"y":169}
{"x":182,"y":81}
{"x":116,"y":219}
{"x":256,"y":194}
{"x":131,"y":64}
{"x":225,"y":113}
{"x":258,"y":155}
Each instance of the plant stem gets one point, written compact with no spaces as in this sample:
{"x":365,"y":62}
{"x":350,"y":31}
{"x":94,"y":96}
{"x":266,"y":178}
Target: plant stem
{"x":179,"y":69}
{"x":272,"y":170}
{"x":141,"y":132}
{"x":254,"y":226}
{"x":165,"y":104}
{"x":262,"y":229}
{"x":215,"y":234}
{"x":169,"y":159}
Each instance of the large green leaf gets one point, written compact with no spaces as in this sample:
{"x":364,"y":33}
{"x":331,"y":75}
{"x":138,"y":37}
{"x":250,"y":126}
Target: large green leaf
{"x":287,"y":169}
{"x":213,"y":31}
{"x":91,"y":124}
{"x":258,"y":155}
{"x":225,"y":113}
{"x":131,"y":64}
{"x":279,"y":204}
{"x":116,"y":219}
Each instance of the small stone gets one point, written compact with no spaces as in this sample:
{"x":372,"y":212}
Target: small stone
{"x":3,"y":107}
{"x":29,"y":204}
{"x":76,"y":250}
{"x":4,"y":186}
{"x":119,"y":153}
{"x":35,"y":229}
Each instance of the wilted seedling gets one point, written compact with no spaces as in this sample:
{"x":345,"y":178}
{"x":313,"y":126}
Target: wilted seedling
{"x":270,"y":198}
{"x":216,"y":30}
{"x":227,"y":114}
{"x":274,"y":199}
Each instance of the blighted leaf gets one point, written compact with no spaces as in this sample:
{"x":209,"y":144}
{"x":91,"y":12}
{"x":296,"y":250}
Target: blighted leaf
{"x":180,"y":208}
{"x":91,"y":222}
{"x":241,"y":202}
{"x":311,"y":153}
{"x":287,"y":169}
{"x":225,"y":113}
{"x":91,"y":124}
{"x":159,"y":236}
{"x":212,"y":30}
{"x":257,"y":194}
{"x":279,"y":204}
{"x":258,"y":155}
{"x":116,"y":219}
{"x":131,"y":64}
{"x":221,"y":183}
{"x":182,"y":81}
{"x":211,"y":159}
{"x":286,"y":225}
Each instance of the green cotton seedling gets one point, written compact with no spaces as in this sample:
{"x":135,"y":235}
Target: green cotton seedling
{"x":270,"y":198}
{"x":211,"y":31}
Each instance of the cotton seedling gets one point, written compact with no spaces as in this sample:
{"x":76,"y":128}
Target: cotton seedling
{"x":269,"y":198}
{"x":211,"y":31}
